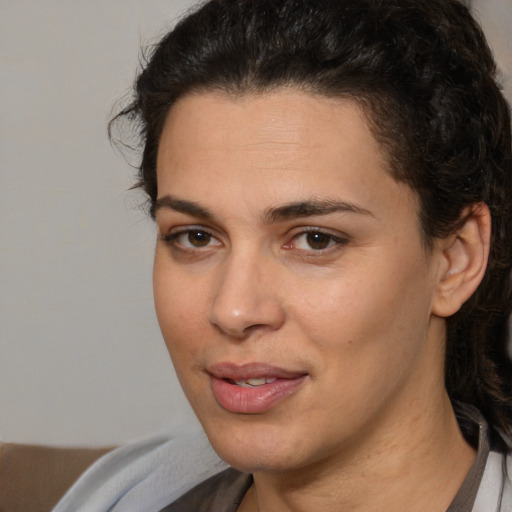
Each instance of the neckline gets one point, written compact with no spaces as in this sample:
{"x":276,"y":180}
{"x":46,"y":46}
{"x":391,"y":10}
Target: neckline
{"x":472,"y":424}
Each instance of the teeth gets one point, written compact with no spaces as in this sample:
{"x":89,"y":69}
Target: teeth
{"x":249,"y":383}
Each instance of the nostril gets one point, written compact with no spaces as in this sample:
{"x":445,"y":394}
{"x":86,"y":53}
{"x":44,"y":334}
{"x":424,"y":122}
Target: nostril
{"x":243,"y":305}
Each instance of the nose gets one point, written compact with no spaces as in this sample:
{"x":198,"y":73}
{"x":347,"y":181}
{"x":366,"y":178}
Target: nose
{"x":247,"y":299}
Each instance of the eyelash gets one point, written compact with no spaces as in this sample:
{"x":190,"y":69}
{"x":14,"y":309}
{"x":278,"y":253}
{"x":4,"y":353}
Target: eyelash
{"x":171,"y":239}
{"x":333,"y":242}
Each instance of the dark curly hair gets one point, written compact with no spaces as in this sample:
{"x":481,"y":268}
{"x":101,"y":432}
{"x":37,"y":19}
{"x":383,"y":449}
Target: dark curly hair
{"x":425,"y":76}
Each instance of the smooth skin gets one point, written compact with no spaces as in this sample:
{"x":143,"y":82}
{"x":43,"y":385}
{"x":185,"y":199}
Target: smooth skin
{"x":283,"y":240}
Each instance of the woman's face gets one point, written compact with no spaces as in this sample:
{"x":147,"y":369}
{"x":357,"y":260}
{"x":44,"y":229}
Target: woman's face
{"x":291,"y":283}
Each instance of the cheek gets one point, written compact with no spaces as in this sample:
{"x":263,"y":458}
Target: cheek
{"x":370,"y":318}
{"x":181,"y":308}
{"x":181,"y":312}
{"x":365,"y":338}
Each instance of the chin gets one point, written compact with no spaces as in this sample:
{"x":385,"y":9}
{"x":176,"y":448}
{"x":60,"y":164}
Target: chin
{"x":253,"y":448}
{"x":258,"y":461}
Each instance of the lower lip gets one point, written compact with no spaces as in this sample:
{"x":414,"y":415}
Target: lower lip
{"x":253,"y":400}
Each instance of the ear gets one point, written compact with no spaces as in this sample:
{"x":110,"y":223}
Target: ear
{"x":464,"y":258}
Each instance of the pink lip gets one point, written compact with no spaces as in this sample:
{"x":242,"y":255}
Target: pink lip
{"x":257,"y":399}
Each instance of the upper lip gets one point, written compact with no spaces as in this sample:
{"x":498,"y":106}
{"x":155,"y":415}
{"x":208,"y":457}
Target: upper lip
{"x":233,"y":371}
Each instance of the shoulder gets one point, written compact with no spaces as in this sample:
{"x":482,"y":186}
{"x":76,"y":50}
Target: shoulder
{"x":143,"y":476}
{"x":222,"y":492}
{"x":490,"y":476}
{"x":495,"y":490}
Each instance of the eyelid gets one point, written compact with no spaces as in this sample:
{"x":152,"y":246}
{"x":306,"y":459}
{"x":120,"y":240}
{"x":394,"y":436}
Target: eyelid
{"x":340,"y":239}
{"x":337,"y":239}
{"x":171,"y":237}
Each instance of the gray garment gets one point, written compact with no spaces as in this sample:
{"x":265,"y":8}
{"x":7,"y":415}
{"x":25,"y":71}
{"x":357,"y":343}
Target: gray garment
{"x":486,"y":488}
{"x":221,"y":493}
{"x":143,"y":476}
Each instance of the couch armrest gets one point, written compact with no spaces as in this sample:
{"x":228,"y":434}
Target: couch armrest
{"x":33,"y":478}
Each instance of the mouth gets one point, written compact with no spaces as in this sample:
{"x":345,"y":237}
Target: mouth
{"x":251,"y":383}
{"x":253,"y":388}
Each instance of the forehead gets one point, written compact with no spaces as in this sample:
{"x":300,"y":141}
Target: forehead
{"x":277,"y":146}
{"x":281,"y":115}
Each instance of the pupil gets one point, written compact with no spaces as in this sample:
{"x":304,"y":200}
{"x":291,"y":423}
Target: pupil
{"x":318,"y":240}
{"x":199,"y":238}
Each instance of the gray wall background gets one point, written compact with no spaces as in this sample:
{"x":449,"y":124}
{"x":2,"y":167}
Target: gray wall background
{"x":81,"y":357}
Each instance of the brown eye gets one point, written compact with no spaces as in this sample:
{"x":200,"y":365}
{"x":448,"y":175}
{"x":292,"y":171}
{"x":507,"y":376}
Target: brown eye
{"x":198,"y":238}
{"x":318,"y":241}
{"x":191,"y":239}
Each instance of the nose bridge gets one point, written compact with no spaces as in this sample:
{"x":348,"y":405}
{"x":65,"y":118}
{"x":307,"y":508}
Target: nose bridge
{"x":246,"y":297}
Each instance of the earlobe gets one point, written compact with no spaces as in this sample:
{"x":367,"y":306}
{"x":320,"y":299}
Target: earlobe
{"x":464,"y":260}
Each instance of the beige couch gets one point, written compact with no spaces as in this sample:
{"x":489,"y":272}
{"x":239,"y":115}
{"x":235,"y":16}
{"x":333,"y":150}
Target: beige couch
{"x":33,"y":478}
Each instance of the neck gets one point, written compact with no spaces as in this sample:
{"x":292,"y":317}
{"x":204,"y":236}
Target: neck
{"x":417,"y":465}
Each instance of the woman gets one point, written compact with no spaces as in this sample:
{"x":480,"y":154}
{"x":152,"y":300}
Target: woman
{"x":331,"y":182}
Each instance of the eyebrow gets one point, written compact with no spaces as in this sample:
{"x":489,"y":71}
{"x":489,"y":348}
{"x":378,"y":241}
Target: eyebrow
{"x":310,"y":208}
{"x":191,"y":208}
{"x":272,"y":215}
